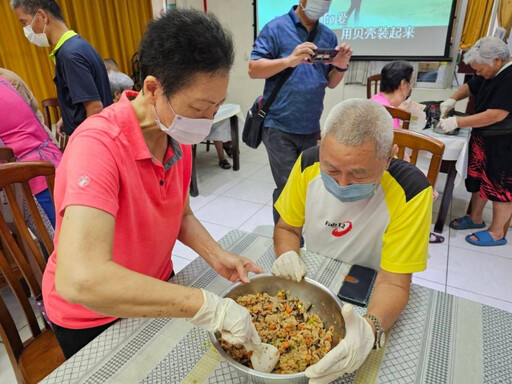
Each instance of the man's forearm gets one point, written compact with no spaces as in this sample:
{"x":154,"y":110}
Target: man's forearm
{"x":335,"y":78}
{"x":388,"y":301}
{"x":285,"y":240}
{"x":265,"y":68}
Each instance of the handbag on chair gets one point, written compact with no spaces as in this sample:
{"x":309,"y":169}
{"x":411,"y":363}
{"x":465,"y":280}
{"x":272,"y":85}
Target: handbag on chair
{"x":253,"y":127}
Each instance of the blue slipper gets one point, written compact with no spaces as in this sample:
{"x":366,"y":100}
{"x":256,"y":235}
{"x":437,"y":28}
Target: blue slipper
{"x":484,"y":239}
{"x":466,"y":223}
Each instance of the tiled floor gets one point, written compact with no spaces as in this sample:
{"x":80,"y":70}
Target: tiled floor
{"x":242,"y":200}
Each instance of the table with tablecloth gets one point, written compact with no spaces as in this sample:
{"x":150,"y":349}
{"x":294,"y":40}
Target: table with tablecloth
{"x":225,"y":127}
{"x":438,"y":338}
{"x":454,"y":164}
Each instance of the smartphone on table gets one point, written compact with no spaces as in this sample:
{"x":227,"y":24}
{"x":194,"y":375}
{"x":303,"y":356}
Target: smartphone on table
{"x":357,"y":286}
{"x":323,"y":55}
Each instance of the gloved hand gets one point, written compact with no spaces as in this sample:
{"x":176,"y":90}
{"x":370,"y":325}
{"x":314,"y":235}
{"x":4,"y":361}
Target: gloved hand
{"x":290,"y":266}
{"x":449,"y":124}
{"x":225,"y":315}
{"x":446,"y":106}
{"x":349,"y":354}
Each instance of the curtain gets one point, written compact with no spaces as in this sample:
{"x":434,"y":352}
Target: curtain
{"x":476,"y":24}
{"x":505,"y":15}
{"x":113,"y":27}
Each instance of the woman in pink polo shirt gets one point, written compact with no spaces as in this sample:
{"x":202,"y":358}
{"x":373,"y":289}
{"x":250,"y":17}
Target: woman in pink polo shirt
{"x":395,"y":85}
{"x":122,"y":201}
{"x":22,"y":131}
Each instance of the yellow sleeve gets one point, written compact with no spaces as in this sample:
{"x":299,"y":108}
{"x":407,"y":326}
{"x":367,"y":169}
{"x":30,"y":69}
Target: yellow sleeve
{"x":405,"y":242}
{"x":291,"y":204}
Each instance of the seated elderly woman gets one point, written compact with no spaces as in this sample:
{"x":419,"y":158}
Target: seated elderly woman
{"x":395,"y":85}
{"x":119,"y":82}
{"x":490,"y":146}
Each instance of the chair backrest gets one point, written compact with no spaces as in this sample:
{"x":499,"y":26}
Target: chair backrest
{"x":20,"y":173}
{"x":35,"y":358}
{"x":397,"y":113}
{"x":52,"y":114}
{"x":6,"y":155}
{"x":418,"y":142}
{"x":372,"y":81}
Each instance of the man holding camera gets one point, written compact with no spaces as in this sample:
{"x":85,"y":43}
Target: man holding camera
{"x":292,"y":123}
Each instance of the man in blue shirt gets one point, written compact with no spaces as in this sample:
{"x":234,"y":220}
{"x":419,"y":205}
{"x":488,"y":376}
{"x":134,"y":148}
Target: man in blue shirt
{"x":292,"y":123}
{"x":82,"y":83}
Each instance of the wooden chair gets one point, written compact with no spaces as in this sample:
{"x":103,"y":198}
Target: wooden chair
{"x":397,"y":113}
{"x":372,"y":81}
{"x":21,"y":173}
{"x":418,"y":142}
{"x":52,"y":114}
{"x":35,"y":358}
{"x":6,"y":155}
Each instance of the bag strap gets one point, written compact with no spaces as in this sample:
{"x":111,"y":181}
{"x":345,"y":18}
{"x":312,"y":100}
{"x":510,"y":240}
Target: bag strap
{"x":285,"y":75}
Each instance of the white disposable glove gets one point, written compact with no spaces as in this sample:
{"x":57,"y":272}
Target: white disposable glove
{"x":446,"y":106}
{"x":290,"y":266}
{"x":349,"y":354}
{"x":225,"y":315}
{"x":449,"y":124}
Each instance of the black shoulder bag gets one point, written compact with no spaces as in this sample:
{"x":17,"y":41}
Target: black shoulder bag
{"x":253,"y":127}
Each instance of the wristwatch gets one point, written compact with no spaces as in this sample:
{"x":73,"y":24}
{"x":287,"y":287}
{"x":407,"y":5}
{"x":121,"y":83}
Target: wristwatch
{"x":380,"y":335}
{"x":341,"y":69}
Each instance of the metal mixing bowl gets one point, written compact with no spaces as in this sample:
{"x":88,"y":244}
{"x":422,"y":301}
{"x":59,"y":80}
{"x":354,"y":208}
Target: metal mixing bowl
{"x":324,"y":303}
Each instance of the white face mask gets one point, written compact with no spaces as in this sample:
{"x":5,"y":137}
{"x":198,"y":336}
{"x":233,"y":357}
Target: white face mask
{"x":315,"y":9}
{"x":186,"y":130}
{"x":39,"y":39}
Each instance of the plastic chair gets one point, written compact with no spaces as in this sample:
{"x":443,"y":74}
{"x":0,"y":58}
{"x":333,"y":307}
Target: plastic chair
{"x":397,"y":113}
{"x":52,"y":114}
{"x":35,"y":358}
{"x":372,"y":81}
{"x":418,"y":142}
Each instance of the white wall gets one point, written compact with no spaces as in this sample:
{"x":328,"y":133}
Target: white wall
{"x":237,"y":16}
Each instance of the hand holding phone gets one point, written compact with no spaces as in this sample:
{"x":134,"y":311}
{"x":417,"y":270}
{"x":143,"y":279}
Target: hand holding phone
{"x":358,"y":284}
{"x":323,"y":55}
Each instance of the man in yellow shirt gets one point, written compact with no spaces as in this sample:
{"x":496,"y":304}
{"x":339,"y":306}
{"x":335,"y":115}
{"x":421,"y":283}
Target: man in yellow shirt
{"x":353,"y":201}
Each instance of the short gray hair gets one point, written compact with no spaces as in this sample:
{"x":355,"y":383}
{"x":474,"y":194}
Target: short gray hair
{"x":31,"y":7}
{"x":485,"y":50}
{"x":354,"y":121}
{"x":119,"y":82}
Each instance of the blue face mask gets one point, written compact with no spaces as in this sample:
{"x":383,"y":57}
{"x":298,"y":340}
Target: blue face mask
{"x":349,"y":193}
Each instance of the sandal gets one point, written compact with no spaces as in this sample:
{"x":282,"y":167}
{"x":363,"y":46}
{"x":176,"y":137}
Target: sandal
{"x":228,"y":148}
{"x":224,"y":164}
{"x":465,"y":222}
{"x":484,"y":239}
{"x":435,"y":238}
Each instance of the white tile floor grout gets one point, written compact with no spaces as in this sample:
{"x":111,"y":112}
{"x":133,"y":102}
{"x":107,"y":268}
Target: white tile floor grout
{"x":456,"y":267}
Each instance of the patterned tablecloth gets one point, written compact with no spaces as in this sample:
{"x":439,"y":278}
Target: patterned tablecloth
{"x":438,"y":339}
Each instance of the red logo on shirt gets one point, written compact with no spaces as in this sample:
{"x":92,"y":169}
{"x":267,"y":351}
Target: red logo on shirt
{"x":340,"y":229}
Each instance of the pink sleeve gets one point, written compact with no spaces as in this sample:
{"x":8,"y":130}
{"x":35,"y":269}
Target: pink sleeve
{"x":88,"y":174}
